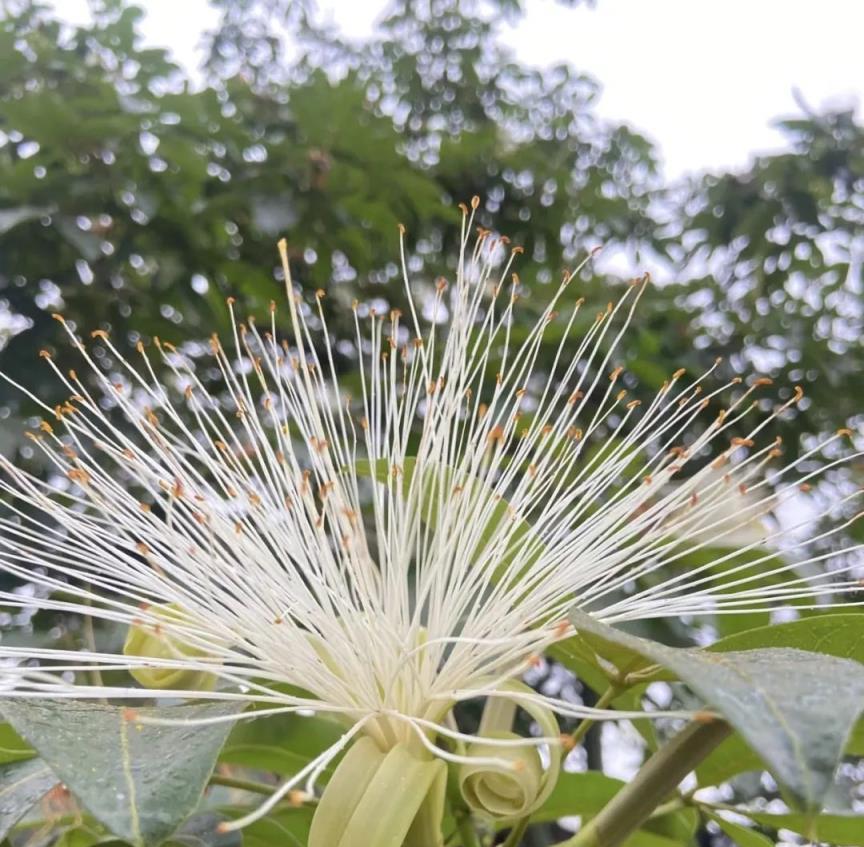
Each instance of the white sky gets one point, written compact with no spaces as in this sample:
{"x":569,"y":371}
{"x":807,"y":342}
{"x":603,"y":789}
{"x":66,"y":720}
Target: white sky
{"x":703,"y":78}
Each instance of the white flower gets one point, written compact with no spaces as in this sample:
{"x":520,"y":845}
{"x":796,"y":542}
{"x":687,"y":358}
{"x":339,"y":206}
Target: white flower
{"x":396,"y":552}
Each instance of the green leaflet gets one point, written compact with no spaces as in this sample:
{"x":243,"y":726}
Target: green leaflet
{"x":283,"y":744}
{"x":833,"y":634}
{"x":843,"y":830}
{"x":13,"y":748}
{"x":286,"y":827}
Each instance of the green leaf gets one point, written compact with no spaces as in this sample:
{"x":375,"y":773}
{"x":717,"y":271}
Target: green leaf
{"x":587,"y":793}
{"x":579,"y":658}
{"x":843,"y":830}
{"x":287,"y":826}
{"x":733,"y":756}
{"x":283,"y":744}
{"x":578,"y":794}
{"x":202,"y":830}
{"x":13,"y":748}
{"x":643,"y":838}
{"x":796,"y":709}
{"x":140,"y":780}
{"x":680,"y":824}
{"x":835,"y":635}
{"x":79,"y":836}
{"x":742,"y":836}
{"x":22,"y":785}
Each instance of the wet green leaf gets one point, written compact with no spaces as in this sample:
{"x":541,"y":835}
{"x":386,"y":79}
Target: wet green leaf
{"x":13,"y":748}
{"x":795,"y":708}
{"x":836,"y":635}
{"x":22,"y":785}
{"x":140,"y":780}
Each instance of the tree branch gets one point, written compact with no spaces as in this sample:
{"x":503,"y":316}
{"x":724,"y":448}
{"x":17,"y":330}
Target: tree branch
{"x":657,"y":779}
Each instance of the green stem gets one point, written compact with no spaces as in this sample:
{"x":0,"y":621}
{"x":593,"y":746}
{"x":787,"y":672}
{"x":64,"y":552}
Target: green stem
{"x":657,"y":779}
{"x":673,"y":805}
{"x":243,"y":784}
{"x":467,"y":833}
{"x":586,"y":723}
{"x":515,"y":836}
{"x":461,"y":815}
{"x":89,"y":638}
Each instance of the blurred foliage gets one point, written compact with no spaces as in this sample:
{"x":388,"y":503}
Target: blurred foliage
{"x":120,"y":176}
{"x":135,"y":196}
{"x":773,"y":262}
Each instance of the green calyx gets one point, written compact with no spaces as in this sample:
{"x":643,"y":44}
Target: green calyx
{"x":392,"y":799}
{"x":154,"y":640}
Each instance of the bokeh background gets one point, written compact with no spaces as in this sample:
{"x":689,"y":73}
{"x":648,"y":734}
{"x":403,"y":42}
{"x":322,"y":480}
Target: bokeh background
{"x":141,"y":185}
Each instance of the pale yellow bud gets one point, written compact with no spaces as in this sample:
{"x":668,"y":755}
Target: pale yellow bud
{"x":154,"y":639}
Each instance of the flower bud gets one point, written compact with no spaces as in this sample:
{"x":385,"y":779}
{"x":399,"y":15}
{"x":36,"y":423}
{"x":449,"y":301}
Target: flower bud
{"x":153,"y":640}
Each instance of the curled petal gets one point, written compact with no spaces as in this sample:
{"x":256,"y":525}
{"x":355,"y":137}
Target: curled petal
{"x":388,"y":799}
{"x":517,"y":784}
